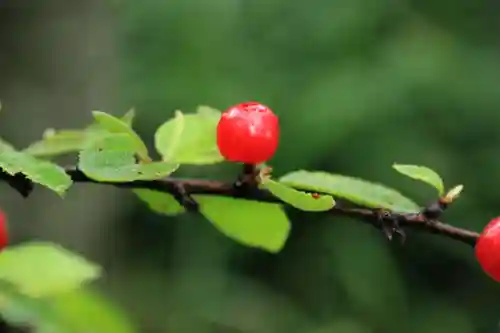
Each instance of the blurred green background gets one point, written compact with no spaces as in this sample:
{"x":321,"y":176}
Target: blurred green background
{"x":358,"y":85}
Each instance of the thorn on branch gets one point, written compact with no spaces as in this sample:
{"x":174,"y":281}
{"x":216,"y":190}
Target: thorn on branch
{"x":184,"y":198}
{"x":390,"y":225}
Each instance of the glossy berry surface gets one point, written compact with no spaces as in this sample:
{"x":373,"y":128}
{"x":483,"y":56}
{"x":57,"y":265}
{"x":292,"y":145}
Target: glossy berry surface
{"x":248,"y":133}
{"x":4,"y":236}
{"x":488,"y":249}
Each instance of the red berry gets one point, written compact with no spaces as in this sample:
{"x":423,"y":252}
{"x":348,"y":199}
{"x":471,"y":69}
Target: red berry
{"x":4,"y":236}
{"x":488,"y":249}
{"x":248,"y":133}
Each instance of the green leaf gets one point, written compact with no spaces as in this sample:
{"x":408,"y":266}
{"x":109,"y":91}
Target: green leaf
{"x":356,"y":190}
{"x":84,"y":306}
{"x":252,"y":223}
{"x":41,"y":269}
{"x":42,"y":172}
{"x":422,"y":173}
{"x":209,"y":112}
{"x":159,"y":202}
{"x":67,"y":312}
{"x":112,"y":159}
{"x":189,"y":139}
{"x":171,"y":137}
{"x":298,"y":199}
{"x":115,"y":125}
{"x":128,"y":117}
{"x":4,"y":145}
{"x":19,"y":309}
{"x":58,"y":143}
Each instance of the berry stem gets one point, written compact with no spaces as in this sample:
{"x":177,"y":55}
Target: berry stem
{"x":251,"y":171}
{"x":248,"y":179}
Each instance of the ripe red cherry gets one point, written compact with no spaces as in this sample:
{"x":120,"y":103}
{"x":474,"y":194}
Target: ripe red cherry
{"x":248,"y":133}
{"x":488,"y":249}
{"x":4,"y":236}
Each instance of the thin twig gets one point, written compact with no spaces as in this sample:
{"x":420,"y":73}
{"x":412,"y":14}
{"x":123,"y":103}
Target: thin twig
{"x":417,"y":220}
{"x":247,"y":180}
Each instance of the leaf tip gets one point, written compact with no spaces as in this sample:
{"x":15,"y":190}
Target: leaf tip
{"x":453,"y":194}
{"x":422,"y":173}
{"x":97,"y":113}
{"x":274,"y":249}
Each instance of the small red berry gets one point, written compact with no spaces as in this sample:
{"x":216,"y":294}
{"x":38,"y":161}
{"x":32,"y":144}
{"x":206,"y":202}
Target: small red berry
{"x":4,"y":236}
{"x":248,"y":133}
{"x":488,"y":249}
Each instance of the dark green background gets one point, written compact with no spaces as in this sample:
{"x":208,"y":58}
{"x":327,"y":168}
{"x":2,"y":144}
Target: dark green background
{"x":358,"y":85}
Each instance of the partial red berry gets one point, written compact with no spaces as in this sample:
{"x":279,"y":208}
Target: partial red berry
{"x":4,"y":235}
{"x":248,"y":133}
{"x":488,"y":249}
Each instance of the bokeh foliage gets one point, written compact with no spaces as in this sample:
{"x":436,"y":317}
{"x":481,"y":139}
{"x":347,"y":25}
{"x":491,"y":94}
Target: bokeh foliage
{"x":358,"y":85}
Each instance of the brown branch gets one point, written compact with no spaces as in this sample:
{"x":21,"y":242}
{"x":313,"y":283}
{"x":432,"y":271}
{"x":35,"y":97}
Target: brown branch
{"x":373,"y":216}
{"x":182,"y":189}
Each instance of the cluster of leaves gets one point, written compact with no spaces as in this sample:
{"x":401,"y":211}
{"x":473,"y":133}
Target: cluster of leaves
{"x":110,"y":151}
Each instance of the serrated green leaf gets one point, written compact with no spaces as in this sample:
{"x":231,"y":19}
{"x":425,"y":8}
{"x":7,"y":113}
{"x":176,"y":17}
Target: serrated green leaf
{"x":298,"y":199}
{"x":11,"y":161}
{"x":47,"y":174}
{"x":256,"y":224}
{"x":356,"y":190}
{"x":159,"y":202}
{"x":421,"y":173}
{"x":41,"y":269}
{"x":112,"y":159}
{"x":189,"y":139}
{"x":38,"y":171}
{"x":115,"y":125}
